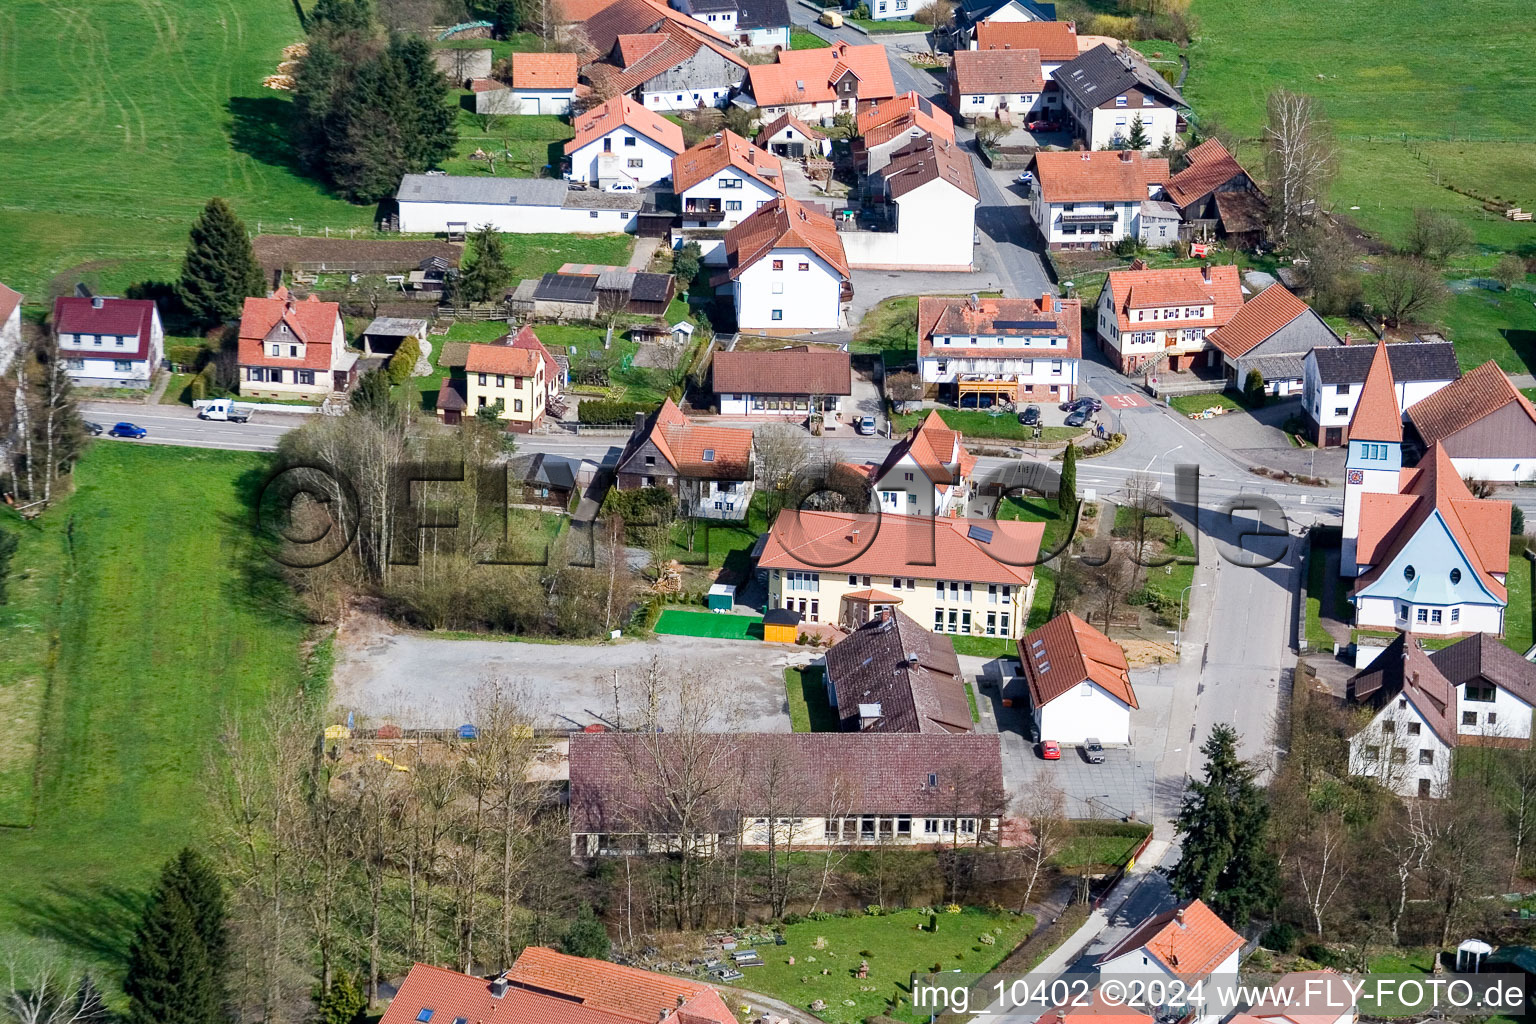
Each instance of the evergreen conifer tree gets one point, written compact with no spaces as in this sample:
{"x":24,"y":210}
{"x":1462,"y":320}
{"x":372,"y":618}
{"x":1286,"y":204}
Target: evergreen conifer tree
{"x":587,"y":937}
{"x":1138,"y":137}
{"x":178,"y":959}
{"x":1066,"y":497}
{"x":220,"y":268}
{"x":483,"y":270}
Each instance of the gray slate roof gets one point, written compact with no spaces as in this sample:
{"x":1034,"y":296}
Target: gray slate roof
{"x":752,"y":14}
{"x":871,"y":666}
{"x":1286,"y":366}
{"x":1098,"y":76}
{"x":1410,"y":360}
{"x":397,"y":327}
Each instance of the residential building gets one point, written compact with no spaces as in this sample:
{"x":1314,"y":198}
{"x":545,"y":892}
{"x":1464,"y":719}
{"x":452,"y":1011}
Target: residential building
{"x":543,"y":985}
{"x":891,"y":675}
{"x":1076,"y":683}
{"x":663,"y":59}
{"x":970,"y":15}
{"x":818,"y":790}
{"x":291,"y":349}
{"x":1148,"y":317}
{"x":1098,"y":1009}
{"x":621,"y":141}
{"x":458,"y":204}
{"x":926,"y":473}
{"x":1476,"y":692}
{"x":710,"y":470}
{"x":1005,"y":84}
{"x":1056,"y":42}
{"x":970,"y":577}
{"x":750,"y":24}
{"x":1093,"y":200}
{"x":1188,"y":944}
{"x":893,"y":124}
{"x":1106,"y":91}
{"x":1333,"y":378}
{"x":1217,"y":198}
{"x":723,"y":180}
{"x":787,"y":135}
{"x":828,"y":80}
{"x":10,"y":326}
{"x":790,"y":382}
{"x":1483,"y":423}
{"x":919,"y":211}
{"x":106,"y":342}
{"x":1271,"y":334}
{"x":786,"y":270}
{"x":385,"y":334}
{"x":552,"y":480}
{"x":544,"y":83}
{"x":513,"y":376}
{"x":1005,"y":350}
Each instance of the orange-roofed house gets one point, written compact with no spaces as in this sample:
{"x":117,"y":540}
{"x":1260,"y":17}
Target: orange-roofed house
{"x":1076,"y":683}
{"x":1189,"y":943}
{"x":710,"y":470}
{"x":543,"y":986}
{"x":1271,"y":335}
{"x":1092,"y":200}
{"x":787,"y":135}
{"x":810,"y":84}
{"x":1150,"y":320}
{"x":786,"y":270}
{"x":920,"y":210}
{"x":621,"y":142}
{"x":662,"y":58}
{"x":293,"y":349}
{"x":1014,"y":350}
{"x":1217,"y":198}
{"x":519,"y":373}
{"x":926,"y":473}
{"x":1305,"y":997}
{"x":1098,"y":1010}
{"x":968,"y":577}
{"x":1484,"y":423}
{"x":724,"y":180}
{"x":1056,"y":42}
{"x":1005,"y":84}
{"x":543,"y":83}
{"x":892,"y":124}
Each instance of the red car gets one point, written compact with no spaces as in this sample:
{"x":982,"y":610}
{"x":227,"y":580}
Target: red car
{"x":1044,"y":126}
{"x":1050,"y":750}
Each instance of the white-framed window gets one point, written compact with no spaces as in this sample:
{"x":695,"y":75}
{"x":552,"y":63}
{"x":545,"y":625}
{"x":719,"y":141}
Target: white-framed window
{"x":729,"y":182}
{"x":637,"y":161}
{"x":778,"y":314}
{"x":733,"y":204}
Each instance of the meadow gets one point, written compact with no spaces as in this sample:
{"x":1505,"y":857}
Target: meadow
{"x":150,"y":622}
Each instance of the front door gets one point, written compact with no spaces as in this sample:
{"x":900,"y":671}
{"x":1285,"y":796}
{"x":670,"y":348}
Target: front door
{"x":1333,"y":437}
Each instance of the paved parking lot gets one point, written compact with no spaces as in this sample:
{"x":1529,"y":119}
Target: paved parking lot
{"x":419,"y":681}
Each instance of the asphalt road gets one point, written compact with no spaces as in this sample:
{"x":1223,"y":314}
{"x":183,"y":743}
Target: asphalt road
{"x":170,"y":424}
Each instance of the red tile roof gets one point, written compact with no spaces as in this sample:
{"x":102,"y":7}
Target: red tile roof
{"x":938,"y":450}
{"x":721,"y":150}
{"x":1218,"y":287}
{"x":1056,"y":41}
{"x":451,"y":995}
{"x":486,"y":85}
{"x":1101,"y":176}
{"x":570,"y":11}
{"x":1257,"y":321}
{"x":988,"y":72}
{"x":917,"y":546}
{"x":312,"y":322}
{"x":1209,"y":166}
{"x":1376,"y":416}
{"x":1306,"y":997}
{"x":788,"y":371}
{"x":1481,"y":392}
{"x":1480,"y":527}
{"x":1189,"y":941}
{"x":1099,"y":1010}
{"x":956,"y":317}
{"x":1064,"y":652}
{"x":927,"y":159}
{"x":503,"y":359}
{"x":525,"y":338}
{"x":784,"y":223}
{"x":685,"y":444}
{"x":623,"y":111}
{"x":9,"y":300}
{"x":622,"y":991}
{"x":899,"y":115}
{"x":1403,"y":668}
{"x":124,"y":318}
{"x":783,"y":121}
{"x":778,"y":84}
{"x":544,"y":70}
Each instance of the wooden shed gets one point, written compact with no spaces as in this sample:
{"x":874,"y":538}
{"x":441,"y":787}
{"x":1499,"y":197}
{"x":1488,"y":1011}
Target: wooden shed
{"x":781,"y":626}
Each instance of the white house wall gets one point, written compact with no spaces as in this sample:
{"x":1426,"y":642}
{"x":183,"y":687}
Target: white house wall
{"x":655,"y":160}
{"x":1019,"y":103}
{"x":748,"y":192}
{"x":434,"y":218}
{"x":1511,"y":715}
{"x":1083,"y":711}
{"x":1402,"y":777}
{"x":806,"y":300}
{"x":1110,"y":123}
{"x":544,"y":101}
{"x":1505,"y":470}
{"x":936,"y":229}
{"x":10,"y":338}
{"x":1137,"y":964}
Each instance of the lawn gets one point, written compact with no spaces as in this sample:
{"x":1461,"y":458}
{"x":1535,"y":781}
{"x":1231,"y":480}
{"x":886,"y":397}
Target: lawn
{"x":805,"y":690}
{"x":524,"y":145}
{"x":1496,"y":325}
{"x":983,"y":423}
{"x":800,"y":39}
{"x":892,"y":25}
{"x":720,"y":544}
{"x":891,"y":327}
{"x":1517,"y":617}
{"x":1192,"y":405}
{"x":895,"y":947}
{"x":681,"y":622}
{"x":1318,"y":586}
{"x":1099,"y":845}
{"x":985,"y":646}
{"x":1031,"y":508}
{"x":166,"y":624}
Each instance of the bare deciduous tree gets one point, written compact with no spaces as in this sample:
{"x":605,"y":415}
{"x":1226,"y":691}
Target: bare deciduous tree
{"x":783,"y":453}
{"x":1406,"y":289}
{"x":1043,"y":805}
{"x":1436,"y":236}
{"x":1301,"y":160}
{"x":50,"y":994}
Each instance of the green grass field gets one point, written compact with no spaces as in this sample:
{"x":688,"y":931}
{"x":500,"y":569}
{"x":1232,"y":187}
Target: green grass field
{"x":166,"y":622}
{"x":1493,"y":325}
{"x":680,"y":622}
{"x":524,"y":145}
{"x":800,"y":39}
{"x":1518,"y":632}
{"x":805,"y":691}
{"x":984,"y":423}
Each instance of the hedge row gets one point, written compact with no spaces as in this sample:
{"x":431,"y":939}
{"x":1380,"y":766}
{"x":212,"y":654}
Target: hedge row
{"x":606,"y":411}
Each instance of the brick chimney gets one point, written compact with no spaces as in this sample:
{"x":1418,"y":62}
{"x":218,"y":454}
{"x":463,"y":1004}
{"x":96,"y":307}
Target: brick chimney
{"x":1346,"y":337}
{"x":1125,"y":156}
{"x":1205,"y":273}
{"x":1138,"y":264}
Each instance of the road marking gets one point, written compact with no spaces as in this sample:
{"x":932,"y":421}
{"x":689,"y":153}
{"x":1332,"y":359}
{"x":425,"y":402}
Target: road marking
{"x":1126,"y":401}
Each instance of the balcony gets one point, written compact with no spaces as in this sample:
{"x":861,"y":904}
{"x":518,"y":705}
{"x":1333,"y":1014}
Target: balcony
{"x":1107,"y":217}
{"x":703,"y":209}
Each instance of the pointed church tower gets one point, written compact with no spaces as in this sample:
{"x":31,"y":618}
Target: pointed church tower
{"x":1375,"y":449}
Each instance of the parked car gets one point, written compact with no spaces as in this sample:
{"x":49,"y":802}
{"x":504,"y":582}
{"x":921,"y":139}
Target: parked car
{"x":126,"y":429}
{"x":1093,"y":750}
{"x":94,"y":429}
{"x":865,"y":425}
{"x":1025,"y":178}
{"x":1050,"y":750}
{"x":622,"y":186}
{"x":1076,"y":418}
{"x":1044,"y":126}
{"x":1091,"y":404}
{"x":1030,"y":416}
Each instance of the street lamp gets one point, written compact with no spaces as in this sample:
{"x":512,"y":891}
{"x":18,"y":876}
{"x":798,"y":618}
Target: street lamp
{"x":1178,"y":635}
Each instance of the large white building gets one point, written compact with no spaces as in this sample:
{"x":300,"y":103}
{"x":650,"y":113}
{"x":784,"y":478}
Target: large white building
{"x":1076,"y":684}
{"x":1485,"y":425}
{"x":109,"y":343}
{"x":1093,"y":200}
{"x":621,"y":142}
{"x":1005,"y":84}
{"x":1004,"y":350}
{"x":750,"y":24}
{"x":724,"y":180}
{"x":786,"y":270}
{"x":457,"y":204}
{"x":1106,"y":92}
{"x":924,"y":205}
{"x":1333,"y":376}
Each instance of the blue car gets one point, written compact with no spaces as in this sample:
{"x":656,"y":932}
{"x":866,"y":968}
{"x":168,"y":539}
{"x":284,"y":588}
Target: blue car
{"x":128,"y":430}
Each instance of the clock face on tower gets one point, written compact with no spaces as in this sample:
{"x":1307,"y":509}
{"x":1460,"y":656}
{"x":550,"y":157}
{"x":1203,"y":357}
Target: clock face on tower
{"x":1356,"y":476}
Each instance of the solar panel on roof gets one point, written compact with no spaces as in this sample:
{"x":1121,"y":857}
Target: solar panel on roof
{"x":979,"y":533}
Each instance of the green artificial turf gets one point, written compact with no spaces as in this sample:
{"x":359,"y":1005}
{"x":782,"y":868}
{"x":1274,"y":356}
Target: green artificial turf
{"x":680,"y":622}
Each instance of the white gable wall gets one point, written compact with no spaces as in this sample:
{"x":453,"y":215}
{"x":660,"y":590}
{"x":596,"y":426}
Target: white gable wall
{"x":1389,"y":750}
{"x":789,"y":299}
{"x":630,"y":154}
{"x":729,"y":186}
{"x":1083,"y":711}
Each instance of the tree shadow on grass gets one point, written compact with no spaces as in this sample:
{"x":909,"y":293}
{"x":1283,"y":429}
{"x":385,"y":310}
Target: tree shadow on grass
{"x":263,"y":587}
{"x":261,"y":127}
{"x":1523,"y":344}
{"x":98,"y":921}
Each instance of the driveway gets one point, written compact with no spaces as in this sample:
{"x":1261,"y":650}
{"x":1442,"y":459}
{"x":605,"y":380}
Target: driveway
{"x":871,"y":287}
{"x":420,"y":681}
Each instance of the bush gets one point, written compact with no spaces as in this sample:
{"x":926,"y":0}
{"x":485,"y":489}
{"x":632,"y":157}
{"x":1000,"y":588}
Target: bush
{"x":607,"y":411}
{"x":343,"y":1004}
{"x":1127,"y":246}
{"x":403,"y":363}
{"x":187,"y":355}
{"x":875,"y":910}
{"x":1280,"y":937}
{"x":1253,"y":388}
{"x":861,"y":10}
{"x":1516,"y":521}
{"x":1509,"y":271}
{"x":1112,"y":25}
{"x":644,"y":505}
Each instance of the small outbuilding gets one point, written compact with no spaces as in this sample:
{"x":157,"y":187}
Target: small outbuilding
{"x":722,"y":597}
{"x":387,"y":333}
{"x":781,"y":626}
